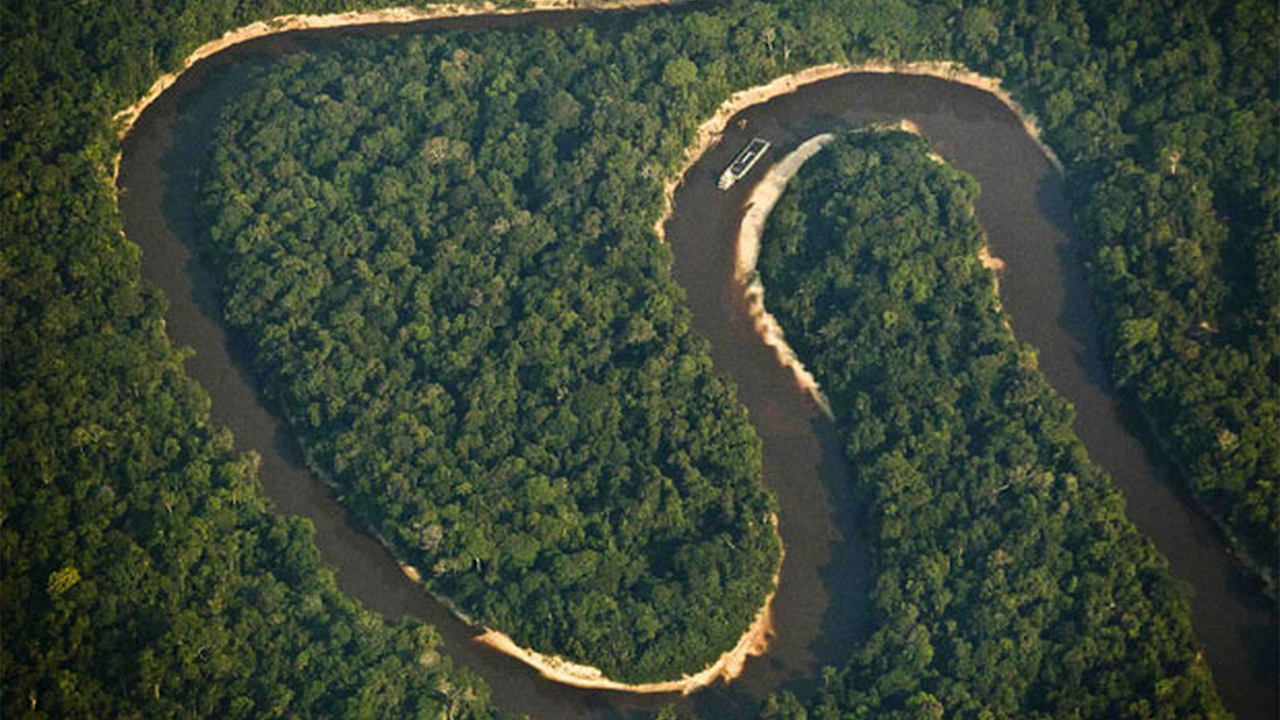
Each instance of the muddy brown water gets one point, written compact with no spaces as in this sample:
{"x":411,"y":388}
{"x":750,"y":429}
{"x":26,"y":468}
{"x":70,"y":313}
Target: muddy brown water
{"x":817,"y":611}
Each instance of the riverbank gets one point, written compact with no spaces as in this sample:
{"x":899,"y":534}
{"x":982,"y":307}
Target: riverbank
{"x":709,"y":132}
{"x":988,"y":261}
{"x":382,"y":16}
{"x":754,"y":642}
{"x":1263,"y":572}
{"x":677,"y":178}
{"x":957,"y":73}
{"x":747,"y":251}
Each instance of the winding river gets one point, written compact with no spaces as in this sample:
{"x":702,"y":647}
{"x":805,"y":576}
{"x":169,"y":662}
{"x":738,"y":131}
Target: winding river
{"x":1023,"y":210}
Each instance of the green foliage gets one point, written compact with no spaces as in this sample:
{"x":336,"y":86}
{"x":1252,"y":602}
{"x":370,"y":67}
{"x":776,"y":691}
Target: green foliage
{"x":141,"y":573}
{"x":109,"y":470}
{"x":450,"y":295}
{"x":1008,"y":582}
{"x":1167,"y":117}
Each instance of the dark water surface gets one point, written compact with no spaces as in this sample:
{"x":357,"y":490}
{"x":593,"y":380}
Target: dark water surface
{"x":817,"y":616}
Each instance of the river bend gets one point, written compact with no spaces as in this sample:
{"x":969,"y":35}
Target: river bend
{"x":1023,"y":210}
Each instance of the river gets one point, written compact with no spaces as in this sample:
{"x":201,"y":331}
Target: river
{"x":1043,"y":289}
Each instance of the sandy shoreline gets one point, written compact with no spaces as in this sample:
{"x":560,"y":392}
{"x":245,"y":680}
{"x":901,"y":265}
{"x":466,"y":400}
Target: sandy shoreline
{"x":759,"y":204}
{"x":958,"y":73}
{"x":756,"y":639}
{"x":382,"y":16}
{"x":747,"y":251}
{"x":728,"y":666}
{"x":754,"y":642}
{"x":709,"y":132}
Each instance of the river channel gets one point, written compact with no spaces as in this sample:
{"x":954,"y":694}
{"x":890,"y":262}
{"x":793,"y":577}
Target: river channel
{"x":1024,"y":212}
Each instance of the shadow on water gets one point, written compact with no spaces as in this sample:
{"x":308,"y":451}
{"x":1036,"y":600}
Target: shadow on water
{"x":1233,"y":620}
{"x":846,"y":575}
{"x":159,"y":195}
{"x":184,"y":161}
{"x":1077,"y":315}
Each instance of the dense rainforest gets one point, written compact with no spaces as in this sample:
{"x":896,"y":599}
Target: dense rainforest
{"x":120,"y":504}
{"x":1166,"y":115}
{"x":444,"y":261}
{"x":1006,"y":580}
{"x":140,"y":573}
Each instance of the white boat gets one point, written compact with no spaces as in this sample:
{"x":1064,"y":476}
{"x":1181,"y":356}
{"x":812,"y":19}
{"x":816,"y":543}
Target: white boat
{"x":742,"y":164}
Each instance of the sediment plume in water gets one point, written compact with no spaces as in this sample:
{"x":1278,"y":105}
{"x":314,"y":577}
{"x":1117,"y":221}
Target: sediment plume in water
{"x":759,"y":205}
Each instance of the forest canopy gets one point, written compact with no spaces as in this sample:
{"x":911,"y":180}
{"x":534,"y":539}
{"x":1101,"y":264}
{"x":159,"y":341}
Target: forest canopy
{"x":439,"y":247}
{"x":1168,"y":109}
{"x":1007,"y":580}
{"x":141,"y":574}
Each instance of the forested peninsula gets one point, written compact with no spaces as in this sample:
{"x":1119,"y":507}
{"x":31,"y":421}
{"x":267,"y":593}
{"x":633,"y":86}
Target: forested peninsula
{"x":141,"y":574}
{"x":453,"y":292}
{"x":1007,"y":579}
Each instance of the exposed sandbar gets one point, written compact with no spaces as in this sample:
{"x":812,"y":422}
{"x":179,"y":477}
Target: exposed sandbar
{"x":728,"y":666}
{"x":747,"y":251}
{"x":759,"y":204}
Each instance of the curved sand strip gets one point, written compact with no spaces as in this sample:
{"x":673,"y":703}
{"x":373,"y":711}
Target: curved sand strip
{"x":754,"y":642}
{"x":728,"y":666}
{"x":756,"y":639}
{"x":760,"y":203}
{"x":747,"y":252}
